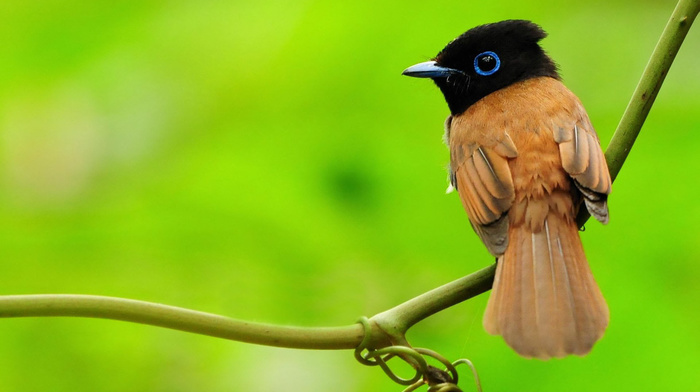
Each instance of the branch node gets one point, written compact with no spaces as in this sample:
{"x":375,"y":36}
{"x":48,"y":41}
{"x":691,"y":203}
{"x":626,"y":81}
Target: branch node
{"x":437,"y":380}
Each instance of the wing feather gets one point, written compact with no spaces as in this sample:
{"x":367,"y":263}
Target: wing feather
{"x":583,"y":159}
{"x":485,"y":186}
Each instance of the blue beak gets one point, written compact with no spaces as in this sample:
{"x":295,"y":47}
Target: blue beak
{"x":430,"y":69}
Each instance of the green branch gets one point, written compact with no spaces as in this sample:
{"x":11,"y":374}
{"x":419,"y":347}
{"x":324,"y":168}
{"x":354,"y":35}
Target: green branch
{"x":323,"y":338}
{"x":67,"y":305}
{"x":396,"y":321}
{"x":649,"y":85}
{"x":388,"y":327}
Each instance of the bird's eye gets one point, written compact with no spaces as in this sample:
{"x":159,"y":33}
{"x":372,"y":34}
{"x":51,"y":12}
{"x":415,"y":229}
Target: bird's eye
{"x":486,"y":63}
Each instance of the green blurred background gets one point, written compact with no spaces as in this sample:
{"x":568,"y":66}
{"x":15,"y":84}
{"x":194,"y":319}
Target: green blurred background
{"x":267,"y":161}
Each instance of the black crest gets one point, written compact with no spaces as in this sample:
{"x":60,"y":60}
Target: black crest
{"x":490,"y":57}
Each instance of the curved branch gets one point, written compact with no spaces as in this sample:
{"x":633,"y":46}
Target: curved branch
{"x":648,"y":87}
{"x":320,"y":338}
{"x":650,"y":83}
{"x":396,"y":321}
{"x":68,"y":305}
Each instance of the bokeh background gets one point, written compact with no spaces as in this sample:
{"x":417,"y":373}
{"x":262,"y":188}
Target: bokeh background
{"x":267,"y":161}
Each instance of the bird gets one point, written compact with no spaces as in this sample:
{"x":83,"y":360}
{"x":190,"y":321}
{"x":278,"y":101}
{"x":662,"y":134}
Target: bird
{"x":524,"y":159}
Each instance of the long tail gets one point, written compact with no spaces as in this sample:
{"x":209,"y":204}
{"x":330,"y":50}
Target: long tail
{"x":545,"y":301}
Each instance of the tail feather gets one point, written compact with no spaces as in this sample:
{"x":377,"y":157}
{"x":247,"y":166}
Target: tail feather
{"x":545,"y":301}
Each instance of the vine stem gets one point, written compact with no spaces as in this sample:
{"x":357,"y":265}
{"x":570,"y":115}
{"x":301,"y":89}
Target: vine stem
{"x":648,"y":87}
{"x":388,"y":327}
{"x":70,"y":305}
{"x":650,"y":84}
{"x":318,"y":338}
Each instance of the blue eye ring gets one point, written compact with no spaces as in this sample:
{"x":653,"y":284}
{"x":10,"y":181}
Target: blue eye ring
{"x":482,"y":55}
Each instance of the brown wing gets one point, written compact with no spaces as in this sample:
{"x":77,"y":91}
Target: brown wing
{"x":480,"y":173}
{"x":583,"y":160}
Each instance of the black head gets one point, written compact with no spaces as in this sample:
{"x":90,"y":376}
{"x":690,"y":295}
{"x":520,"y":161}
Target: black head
{"x":485,"y":59}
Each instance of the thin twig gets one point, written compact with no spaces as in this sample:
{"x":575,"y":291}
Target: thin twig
{"x":318,"y":338}
{"x":396,"y":321}
{"x":69,"y":305}
{"x":649,"y":85}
